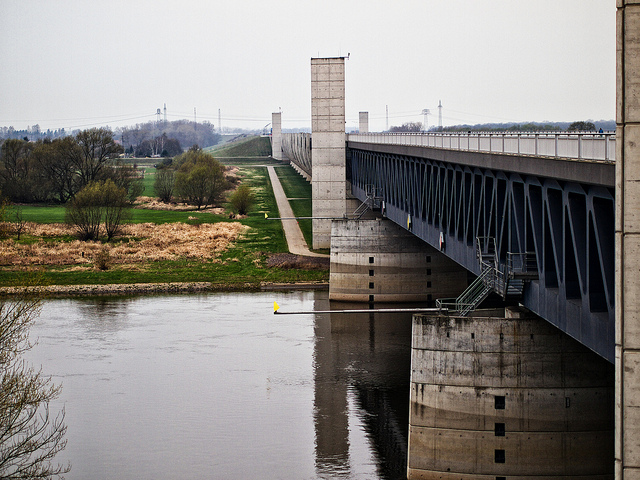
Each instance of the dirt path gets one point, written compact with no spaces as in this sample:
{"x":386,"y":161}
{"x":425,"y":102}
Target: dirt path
{"x":295,"y":239}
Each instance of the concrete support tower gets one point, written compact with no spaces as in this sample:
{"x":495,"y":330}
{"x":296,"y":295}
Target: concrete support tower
{"x":627,"y":234}
{"x":506,"y":395}
{"x":276,"y":136}
{"x":328,"y":148}
{"x":363,"y":118}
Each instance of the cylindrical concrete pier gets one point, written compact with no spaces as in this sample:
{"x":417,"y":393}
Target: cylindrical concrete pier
{"x":507,"y":396}
{"x":378,"y":261}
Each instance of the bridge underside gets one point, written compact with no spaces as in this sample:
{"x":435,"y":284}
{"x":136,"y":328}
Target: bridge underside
{"x":567,"y":225}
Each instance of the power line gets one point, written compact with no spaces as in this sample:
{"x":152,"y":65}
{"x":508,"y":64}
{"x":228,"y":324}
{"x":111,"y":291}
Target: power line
{"x":77,"y":119}
{"x":103,"y":122}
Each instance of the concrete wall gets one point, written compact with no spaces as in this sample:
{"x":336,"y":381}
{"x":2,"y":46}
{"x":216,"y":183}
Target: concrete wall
{"x":363,"y":118}
{"x":328,"y":188}
{"x":627,"y":227}
{"x":378,"y":261}
{"x":276,"y":136}
{"x":510,"y":386}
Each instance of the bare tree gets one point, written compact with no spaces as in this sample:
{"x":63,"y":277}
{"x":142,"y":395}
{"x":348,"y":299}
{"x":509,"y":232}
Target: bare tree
{"x":20,"y":223}
{"x":99,"y":204}
{"x":94,"y":151}
{"x":30,"y":436}
{"x":55,"y":160}
{"x":163,"y":184}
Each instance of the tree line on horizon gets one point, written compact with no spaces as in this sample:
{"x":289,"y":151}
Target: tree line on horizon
{"x":578,"y":126}
{"x":141,"y":140}
{"x":171,"y":138}
{"x":56,"y":170}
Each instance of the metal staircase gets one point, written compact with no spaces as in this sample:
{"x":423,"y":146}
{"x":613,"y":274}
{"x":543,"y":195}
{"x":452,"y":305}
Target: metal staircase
{"x":507,"y":280}
{"x":372,"y":202}
{"x":472,"y":297}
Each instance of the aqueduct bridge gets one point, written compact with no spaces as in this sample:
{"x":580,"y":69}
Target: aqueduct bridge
{"x":547,"y":222}
{"x":541,"y":204}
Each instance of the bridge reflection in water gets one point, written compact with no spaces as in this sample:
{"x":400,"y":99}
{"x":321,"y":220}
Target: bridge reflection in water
{"x":369,"y":355}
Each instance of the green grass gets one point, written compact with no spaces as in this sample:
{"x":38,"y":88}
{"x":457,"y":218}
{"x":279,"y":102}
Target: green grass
{"x":237,"y":268}
{"x":246,"y":147}
{"x":293,"y":184}
{"x":43,"y":213}
{"x":298,"y":191}
{"x":249,"y":161}
{"x":243,"y":263}
{"x":265,"y":235}
{"x":148,"y":180}
{"x":55,"y":214}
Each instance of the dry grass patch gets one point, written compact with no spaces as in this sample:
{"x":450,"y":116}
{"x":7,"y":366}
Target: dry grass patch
{"x":48,"y":229}
{"x":152,"y":203}
{"x":139,"y":243}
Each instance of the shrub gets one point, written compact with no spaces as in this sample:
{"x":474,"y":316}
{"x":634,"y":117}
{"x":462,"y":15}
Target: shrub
{"x":5,"y":226}
{"x":84,"y":212}
{"x":96,"y":204}
{"x":242,"y":199}
{"x":103,"y":258}
{"x":163,"y":184}
{"x":200,"y":179}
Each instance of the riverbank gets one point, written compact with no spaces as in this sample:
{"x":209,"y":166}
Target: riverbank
{"x":118,"y":289}
{"x":174,"y":252}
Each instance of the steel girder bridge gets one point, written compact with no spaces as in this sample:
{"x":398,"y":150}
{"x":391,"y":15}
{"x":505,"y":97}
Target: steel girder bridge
{"x":543,"y":225}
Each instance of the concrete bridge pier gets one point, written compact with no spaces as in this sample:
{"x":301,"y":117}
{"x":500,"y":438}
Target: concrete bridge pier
{"x":505,"y":395}
{"x":375,"y":260}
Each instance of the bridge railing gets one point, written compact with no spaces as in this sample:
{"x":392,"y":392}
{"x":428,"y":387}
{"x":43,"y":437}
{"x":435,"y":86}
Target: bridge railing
{"x":583,"y":146}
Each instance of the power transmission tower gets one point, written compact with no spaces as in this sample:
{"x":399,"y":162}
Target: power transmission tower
{"x":426,"y":112}
{"x":387,"y":129}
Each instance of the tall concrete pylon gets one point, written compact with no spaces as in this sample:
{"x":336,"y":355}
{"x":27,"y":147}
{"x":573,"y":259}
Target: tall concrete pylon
{"x":363,"y":120}
{"x":276,"y":136}
{"x":627,"y":234}
{"x":328,"y":152}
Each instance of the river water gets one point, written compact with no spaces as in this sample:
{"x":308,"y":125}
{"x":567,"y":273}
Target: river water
{"x":215,"y":386}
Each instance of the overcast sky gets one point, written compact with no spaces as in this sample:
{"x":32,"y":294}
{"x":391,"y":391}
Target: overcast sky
{"x":83,"y":63}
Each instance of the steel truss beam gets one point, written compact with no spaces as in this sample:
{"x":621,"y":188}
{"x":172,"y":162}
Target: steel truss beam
{"x":568,"y":226}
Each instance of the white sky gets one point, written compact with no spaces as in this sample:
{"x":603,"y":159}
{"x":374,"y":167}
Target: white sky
{"x":83,"y":63}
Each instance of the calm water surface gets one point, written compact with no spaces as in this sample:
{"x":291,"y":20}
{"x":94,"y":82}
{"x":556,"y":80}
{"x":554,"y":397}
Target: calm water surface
{"x":216,"y":386}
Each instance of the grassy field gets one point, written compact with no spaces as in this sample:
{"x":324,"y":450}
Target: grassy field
{"x":55,"y":214}
{"x":243,"y":261}
{"x":298,"y":191}
{"x":148,"y":180}
{"x":245,"y":147}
